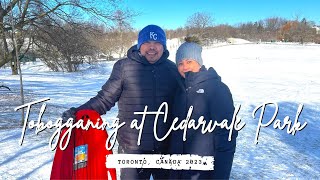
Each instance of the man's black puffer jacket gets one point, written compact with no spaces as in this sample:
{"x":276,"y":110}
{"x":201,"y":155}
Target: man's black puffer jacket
{"x":135,"y":83}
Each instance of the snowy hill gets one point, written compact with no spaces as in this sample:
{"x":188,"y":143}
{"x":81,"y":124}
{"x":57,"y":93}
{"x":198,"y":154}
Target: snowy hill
{"x":287,"y":75}
{"x":237,"y":41}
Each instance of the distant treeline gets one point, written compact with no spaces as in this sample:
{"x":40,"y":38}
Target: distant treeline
{"x":67,"y":46}
{"x":269,"y":30}
{"x":63,"y":40}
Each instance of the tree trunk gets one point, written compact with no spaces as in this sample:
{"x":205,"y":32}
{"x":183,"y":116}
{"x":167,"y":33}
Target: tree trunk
{"x":6,"y":54}
{"x":18,"y":42}
{"x":14,"y":66}
{"x":69,"y":65}
{"x":4,"y":60}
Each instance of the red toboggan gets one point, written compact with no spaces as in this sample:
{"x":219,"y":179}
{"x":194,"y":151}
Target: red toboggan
{"x":85,"y":155}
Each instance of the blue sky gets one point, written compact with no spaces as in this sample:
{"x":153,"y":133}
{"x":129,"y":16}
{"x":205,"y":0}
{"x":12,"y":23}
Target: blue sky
{"x":173,"y":14}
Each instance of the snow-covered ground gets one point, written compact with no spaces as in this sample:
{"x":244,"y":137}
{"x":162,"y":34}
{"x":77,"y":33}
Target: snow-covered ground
{"x":255,"y":73}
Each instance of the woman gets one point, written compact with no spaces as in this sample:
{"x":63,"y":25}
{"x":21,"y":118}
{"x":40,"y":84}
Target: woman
{"x":210,"y":98}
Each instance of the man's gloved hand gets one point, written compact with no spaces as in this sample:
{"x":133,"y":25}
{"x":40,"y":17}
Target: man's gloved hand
{"x":71,"y":113}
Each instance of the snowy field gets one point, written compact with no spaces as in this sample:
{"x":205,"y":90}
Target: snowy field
{"x":283,"y":74}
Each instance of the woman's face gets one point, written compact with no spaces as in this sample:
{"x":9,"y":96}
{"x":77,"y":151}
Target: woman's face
{"x":187,"y":65}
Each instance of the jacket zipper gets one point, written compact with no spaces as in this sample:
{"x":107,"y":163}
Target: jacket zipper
{"x":154,"y":95}
{"x":154,"y":86}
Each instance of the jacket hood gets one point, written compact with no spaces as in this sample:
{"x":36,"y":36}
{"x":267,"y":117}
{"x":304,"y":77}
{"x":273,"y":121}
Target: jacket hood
{"x":134,"y":54}
{"x":203,"y":75}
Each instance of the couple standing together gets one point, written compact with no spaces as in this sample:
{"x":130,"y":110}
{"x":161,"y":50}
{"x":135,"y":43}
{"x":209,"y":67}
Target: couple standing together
{"x":147,"y":78}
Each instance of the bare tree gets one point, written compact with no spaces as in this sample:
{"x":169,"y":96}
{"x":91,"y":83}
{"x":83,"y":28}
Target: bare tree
{"x":198,"y":22}
{"x":113,"y":43}
{"x":274,"y":23}
{"x":29,"y":13}
{"x":177,"y":33}
{"x":223,"y":31}
{"x":249,"y":30}
{"x":272,"y":27}
{"x":64,"y":47}
{"x":121,"y":31}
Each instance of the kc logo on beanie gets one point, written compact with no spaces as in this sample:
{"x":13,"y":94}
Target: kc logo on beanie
{"x":152,"y":33}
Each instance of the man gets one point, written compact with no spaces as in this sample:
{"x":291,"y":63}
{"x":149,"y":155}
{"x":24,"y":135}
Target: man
{"x":144,"y":78}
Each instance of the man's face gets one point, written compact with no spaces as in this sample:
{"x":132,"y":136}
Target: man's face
{"x":152,"y":50}
{"x":187,"y":65}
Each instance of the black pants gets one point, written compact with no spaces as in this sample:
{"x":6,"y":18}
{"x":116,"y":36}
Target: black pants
{"x":141,"y":173}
